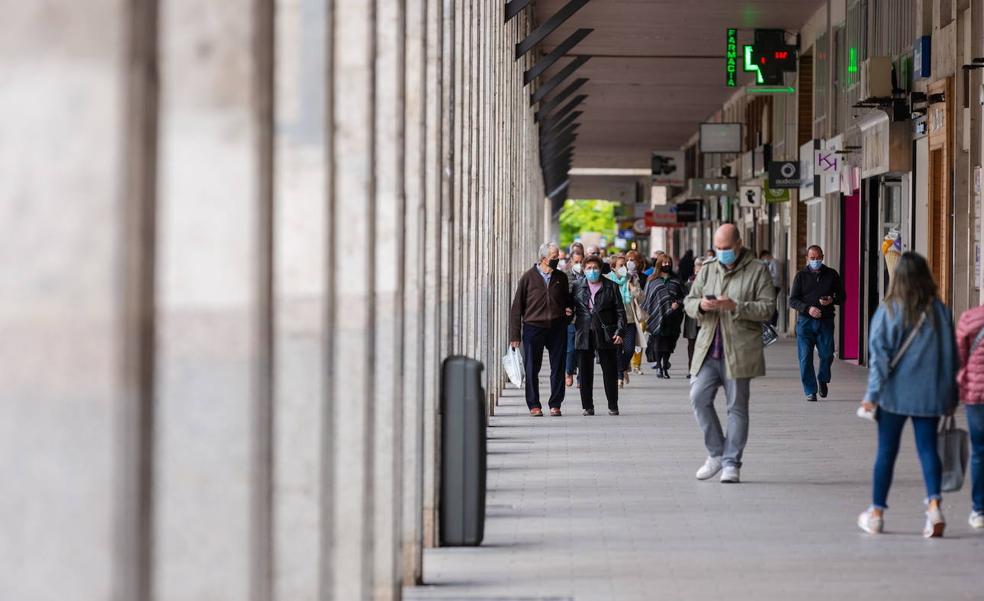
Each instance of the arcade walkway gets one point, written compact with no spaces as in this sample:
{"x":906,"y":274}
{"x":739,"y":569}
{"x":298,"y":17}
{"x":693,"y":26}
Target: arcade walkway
{"x":595,"y":509}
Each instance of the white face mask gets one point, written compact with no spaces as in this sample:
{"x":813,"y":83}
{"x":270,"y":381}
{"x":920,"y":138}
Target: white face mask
{"x":621,"y":271}
{"x":631,"y":265}
{"x":577,"y":268}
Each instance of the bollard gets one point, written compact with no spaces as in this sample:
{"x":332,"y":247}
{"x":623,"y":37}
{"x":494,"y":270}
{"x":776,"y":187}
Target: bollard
{"x":463,"y":470}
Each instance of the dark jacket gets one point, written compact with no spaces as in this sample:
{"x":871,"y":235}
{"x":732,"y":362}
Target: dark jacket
{"x":604,"y":322}
{"x":809,"y":286}
{"x":660,"y":296}
{"x":536,"y":305}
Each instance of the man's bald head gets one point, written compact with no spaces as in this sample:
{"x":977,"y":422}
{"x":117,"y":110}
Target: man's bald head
{"x":727,"y":236}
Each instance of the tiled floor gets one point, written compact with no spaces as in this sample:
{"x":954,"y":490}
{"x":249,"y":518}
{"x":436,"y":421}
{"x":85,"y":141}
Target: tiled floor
{"x":607,"y":508}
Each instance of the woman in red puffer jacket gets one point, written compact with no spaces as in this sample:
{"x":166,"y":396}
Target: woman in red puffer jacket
{"x":970,"y":379}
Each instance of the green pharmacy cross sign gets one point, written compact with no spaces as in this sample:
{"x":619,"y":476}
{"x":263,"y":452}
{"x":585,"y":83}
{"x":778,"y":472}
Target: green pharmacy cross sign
{"x":731,"y":55}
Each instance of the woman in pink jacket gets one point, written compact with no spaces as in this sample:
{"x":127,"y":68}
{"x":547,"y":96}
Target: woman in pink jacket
{"x":970,"y":379}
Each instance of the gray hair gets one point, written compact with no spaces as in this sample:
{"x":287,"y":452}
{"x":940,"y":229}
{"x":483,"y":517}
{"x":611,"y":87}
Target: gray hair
{"x":546,"y":247}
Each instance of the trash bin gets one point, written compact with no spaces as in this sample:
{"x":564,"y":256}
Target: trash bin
{"x":462,"y":453}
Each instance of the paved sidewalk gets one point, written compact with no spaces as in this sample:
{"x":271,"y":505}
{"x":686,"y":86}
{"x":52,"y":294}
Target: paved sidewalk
{"x":607,"y":508}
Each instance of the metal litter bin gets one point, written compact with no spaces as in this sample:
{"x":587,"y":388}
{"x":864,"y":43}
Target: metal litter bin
{"x":462,"y":453}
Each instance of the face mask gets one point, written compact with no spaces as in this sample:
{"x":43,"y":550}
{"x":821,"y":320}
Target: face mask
{"x":666,"y":268}
{"x":577,"y":268}
{"x":593,"y":275}
{"x":815,"y":264}
{"x":553,"y":263}
{"x":622,"y":271}
{"x":727,"y":257}
{"x":562,"y":264}
{"x":631,"y":265}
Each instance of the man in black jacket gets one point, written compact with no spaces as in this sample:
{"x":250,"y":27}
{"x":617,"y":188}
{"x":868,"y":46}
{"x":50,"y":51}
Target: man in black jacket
{"x":538,"y":319}
{"x":816,"y":291}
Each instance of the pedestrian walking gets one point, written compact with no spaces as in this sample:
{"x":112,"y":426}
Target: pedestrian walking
{"x":690,"y":326}
{"x":730,"y":299}
{"x":538,"y":319}
{"x":970,"y":382}
{"x":816,"y":292}
{"x":912,"y":369}
{"x":636,"y":263}
{"x":620,"y":275}
{"x":686,"y":266}
{"x":575,"y":273}
{"x":600,"y":322}
{"x":664,"y":304}
{"x":776,"y":272}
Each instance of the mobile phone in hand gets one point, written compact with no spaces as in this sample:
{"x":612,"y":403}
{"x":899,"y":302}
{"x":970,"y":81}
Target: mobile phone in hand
{"x":710,"y":297}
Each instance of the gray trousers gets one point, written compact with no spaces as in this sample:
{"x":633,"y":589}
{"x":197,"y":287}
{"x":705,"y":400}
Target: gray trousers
{"x":703,"y":389}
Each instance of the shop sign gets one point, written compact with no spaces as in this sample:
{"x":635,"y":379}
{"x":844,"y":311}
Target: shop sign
{"x":689,"y":211}
{"x":784,"y":174}
{"x":809,"y":183}
{"x":750,"y":197}
{"x":713,"y":187}
{"x":831,"y":165}
{"x":640,"y":227}
{"x":771,"y":195}
{"x":662,"y":217}
{"x":731,"y":58}
{"x":669,"y":168}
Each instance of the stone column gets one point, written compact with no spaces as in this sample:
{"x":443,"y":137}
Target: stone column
{"x":77,"y":202}
{"x":350,"y":495}
{"x":416,"y":281}
{"x":386,"y":255}
{"x":300,"y":222}
{"x":213,"y":491}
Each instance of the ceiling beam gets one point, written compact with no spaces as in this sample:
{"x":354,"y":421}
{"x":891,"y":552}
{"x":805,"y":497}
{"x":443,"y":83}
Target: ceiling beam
{"x":555,"y":21}
{"x":544,"y":63}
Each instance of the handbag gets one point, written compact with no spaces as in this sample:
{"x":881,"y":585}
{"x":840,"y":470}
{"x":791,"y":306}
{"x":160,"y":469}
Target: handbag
{"x":769,"y":334}
{"x":954,"y":448}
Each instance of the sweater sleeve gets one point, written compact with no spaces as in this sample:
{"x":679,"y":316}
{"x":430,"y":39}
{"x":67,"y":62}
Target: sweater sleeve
{"x":796,"y":301}
{"x":517,"y":310}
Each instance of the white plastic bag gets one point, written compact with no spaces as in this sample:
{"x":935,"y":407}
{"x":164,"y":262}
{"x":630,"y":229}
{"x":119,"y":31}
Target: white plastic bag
{"x":512,"y":363}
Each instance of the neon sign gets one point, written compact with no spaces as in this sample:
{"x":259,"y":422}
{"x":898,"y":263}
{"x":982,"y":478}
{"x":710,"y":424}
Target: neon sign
{"x":750,"y":65}
{"x":731,"y":57}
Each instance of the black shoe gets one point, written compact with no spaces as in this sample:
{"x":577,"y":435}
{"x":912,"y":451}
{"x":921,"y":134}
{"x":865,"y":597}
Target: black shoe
{"x":812,"y":398}
{"x":823,"y":390}
{"x":688,"y":376}
{"x":613,"y":412}
{"x":666,"y":373}
{"x":588,"y":412}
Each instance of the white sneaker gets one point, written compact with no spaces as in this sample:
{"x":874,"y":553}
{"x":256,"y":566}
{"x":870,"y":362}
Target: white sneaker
{"x":935,"y":524}
{"x":710,"y":468}
{"x":976,"y":520}
{"x":871,"y":523}
{"x":730,"y":475}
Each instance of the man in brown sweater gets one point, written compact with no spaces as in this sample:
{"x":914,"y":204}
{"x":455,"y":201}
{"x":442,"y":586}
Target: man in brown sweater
{"x":538,"y":319}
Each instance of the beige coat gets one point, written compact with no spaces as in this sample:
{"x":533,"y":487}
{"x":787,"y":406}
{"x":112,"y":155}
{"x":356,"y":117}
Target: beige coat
{"x":748,"y":284}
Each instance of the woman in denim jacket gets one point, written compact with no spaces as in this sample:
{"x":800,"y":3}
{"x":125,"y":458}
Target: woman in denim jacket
{"x":921,"y":387}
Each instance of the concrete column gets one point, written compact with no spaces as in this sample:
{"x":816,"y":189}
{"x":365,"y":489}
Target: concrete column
{"x":76,"y":162}
{"x":387,"y":255}
{"x":300,"y":287}
{"x":415,"y":281}
{"x":437,"y":161}
{"x":213,"y":523}
{"x":349,"y":539}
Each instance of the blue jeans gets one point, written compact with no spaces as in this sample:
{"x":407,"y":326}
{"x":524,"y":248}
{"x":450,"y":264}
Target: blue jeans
{"x":569,"y":361}
{"x":890,"y":427}
{"x":812,"y":333}
{"x":535,"y":339}
{"x":975,"y":425}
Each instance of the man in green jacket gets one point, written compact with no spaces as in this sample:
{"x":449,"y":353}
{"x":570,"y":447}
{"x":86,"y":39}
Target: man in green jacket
{"x":730,"y":299}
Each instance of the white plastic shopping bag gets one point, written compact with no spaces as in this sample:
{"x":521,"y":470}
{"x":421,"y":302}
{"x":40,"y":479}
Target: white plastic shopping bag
{"x":512,"y":363}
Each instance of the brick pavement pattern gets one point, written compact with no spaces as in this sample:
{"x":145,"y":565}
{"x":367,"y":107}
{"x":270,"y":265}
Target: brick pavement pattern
{"x":607,"y":508}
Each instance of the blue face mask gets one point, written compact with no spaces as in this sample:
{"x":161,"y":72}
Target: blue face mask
{"x":815,"y":264}
{"x":593,"y":275}
{"x":727,"y":257}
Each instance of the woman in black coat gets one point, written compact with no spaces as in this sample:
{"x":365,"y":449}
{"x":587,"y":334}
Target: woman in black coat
{"x":664,"y":304}
{"x":599,"y":322}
